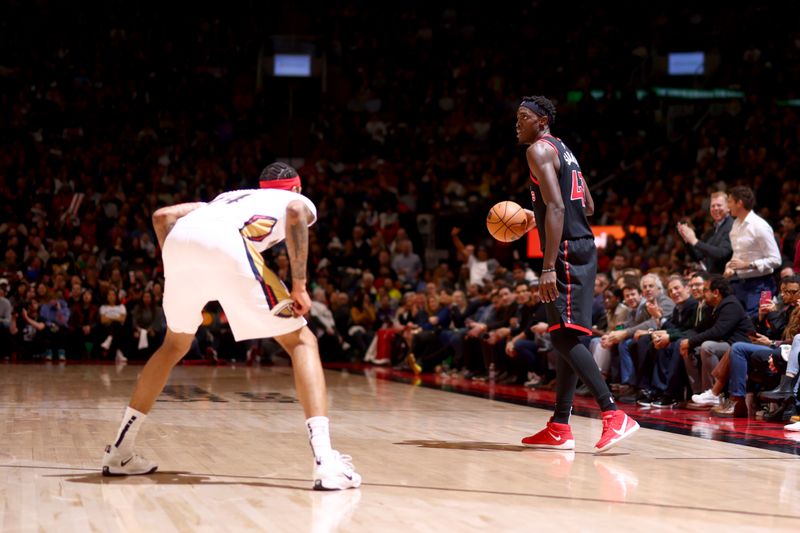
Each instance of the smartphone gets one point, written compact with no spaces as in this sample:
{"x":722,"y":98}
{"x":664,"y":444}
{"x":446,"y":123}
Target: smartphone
{"x":766,"y":297}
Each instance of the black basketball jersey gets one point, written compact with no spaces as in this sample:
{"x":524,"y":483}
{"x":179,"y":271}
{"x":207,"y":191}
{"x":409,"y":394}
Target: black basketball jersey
{"x":570,"y":180}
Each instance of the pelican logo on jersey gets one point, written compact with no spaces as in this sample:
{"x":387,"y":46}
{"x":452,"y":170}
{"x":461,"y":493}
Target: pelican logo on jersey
{"x":258,"y":228}
{"x":569,"y":158}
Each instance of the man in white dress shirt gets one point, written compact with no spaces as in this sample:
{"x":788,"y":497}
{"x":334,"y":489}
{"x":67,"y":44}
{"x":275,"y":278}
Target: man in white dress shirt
{"x":755,"y":251}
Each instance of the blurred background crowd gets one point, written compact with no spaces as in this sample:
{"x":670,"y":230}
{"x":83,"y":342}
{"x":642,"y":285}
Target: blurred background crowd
{"x":404,"y":141}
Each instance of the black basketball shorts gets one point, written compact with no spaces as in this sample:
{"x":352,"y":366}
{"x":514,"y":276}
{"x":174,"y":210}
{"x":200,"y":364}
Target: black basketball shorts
{"x":576,"y":269}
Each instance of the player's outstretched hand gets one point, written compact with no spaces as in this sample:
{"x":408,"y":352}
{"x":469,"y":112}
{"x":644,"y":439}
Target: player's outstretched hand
{"x":302,"y":301}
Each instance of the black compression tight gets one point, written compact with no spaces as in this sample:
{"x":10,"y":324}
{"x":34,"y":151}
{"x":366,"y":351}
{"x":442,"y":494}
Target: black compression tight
{"x":576,"y":361}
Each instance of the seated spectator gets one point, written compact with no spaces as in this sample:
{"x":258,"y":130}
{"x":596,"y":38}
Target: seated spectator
{"x":392,"y":291}
{"x":427,"y":349}
{"x":785,"y":395}
{"x":342,"y":316}
{"x":112,"y":315}
{"x":55,"y":315}
{"x":362,"y":322}
{"x":526,"y":345}
{"x":5,"y":321}
{"x":31,"y":328}
{"x":489,"y":334}
{"x":651,"y":313}
{"x":774,"y":313}
{"x":601,"y":282}
{"x":216,"y":343}
{"x":660,"y":370}
{"x":148,"y":325}
{"x":406,"y":264}
{"x":618,"y":313}
{"x":702,"y":351}
{"x":323,"y":325}
{"x":84,"y":317}
{"x":745,"y":357}
{"x":384,"y":310}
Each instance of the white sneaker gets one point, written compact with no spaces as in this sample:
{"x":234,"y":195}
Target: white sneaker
{"x":795,"y":426}
{"x":705,"y":398}
{"x":121,"y":357}
{"x":533,"y":380}
{"x":117,"y":464}
{"x":106,"y":344}
{"x":335,"y":472}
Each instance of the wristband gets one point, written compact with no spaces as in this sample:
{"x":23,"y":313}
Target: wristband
{"x":546,"y":270}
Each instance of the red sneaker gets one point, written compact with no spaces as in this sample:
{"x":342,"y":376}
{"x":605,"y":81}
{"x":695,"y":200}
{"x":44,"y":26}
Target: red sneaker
{"x":554,"y":436}
{"x":616,"y":426}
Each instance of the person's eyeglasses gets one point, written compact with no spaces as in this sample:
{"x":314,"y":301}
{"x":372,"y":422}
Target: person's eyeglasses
{"x":790,"y":292}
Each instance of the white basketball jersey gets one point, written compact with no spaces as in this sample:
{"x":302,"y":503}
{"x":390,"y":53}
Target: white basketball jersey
{"x":259,"y":214}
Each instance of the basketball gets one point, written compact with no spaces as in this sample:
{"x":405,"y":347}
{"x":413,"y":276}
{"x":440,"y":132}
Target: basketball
{"x":506,"y":221}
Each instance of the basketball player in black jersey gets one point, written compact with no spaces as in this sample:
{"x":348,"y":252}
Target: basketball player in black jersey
{"x":561,"y":201}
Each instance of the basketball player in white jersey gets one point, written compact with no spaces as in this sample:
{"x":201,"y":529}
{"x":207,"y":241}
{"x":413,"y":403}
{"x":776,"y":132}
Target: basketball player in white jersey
{"x":212,"y":251}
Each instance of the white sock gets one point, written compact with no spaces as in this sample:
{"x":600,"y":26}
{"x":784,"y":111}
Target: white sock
{"x":126,"y":435}
{"x":319,"y":436}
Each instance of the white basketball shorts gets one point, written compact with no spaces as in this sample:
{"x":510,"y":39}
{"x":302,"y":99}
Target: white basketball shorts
{"x":208,"y":263}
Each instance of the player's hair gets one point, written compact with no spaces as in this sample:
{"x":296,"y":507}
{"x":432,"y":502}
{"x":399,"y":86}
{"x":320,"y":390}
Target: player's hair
{"x":545,"y":104}
{"x":277,"y":171}
{"x":745,"y":194}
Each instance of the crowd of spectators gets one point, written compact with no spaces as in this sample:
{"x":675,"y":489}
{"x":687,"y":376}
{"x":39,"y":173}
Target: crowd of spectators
{"x":114,"y":114}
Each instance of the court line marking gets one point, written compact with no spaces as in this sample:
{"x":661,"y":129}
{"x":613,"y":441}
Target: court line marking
{"x":442,"y":489}
{"x":789,"y":458}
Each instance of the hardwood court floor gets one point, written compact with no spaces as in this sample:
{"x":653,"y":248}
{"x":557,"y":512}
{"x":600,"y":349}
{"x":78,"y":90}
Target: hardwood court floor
{"x":677,"y":419}
{"x":233,"y":456}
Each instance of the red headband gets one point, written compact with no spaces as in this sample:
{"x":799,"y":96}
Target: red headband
{"x":286,"y":184}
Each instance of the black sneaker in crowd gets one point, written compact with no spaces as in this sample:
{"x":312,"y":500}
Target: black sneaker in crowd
{"x":645,"y":397}
{"x":664,"y":402}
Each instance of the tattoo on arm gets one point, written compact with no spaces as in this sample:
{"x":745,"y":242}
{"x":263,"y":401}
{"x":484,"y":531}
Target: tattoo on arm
{"x":297,"y":244}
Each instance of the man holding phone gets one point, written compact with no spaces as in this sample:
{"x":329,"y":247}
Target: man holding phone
{"x":764,"y":343}
{"x":772,"y":319}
